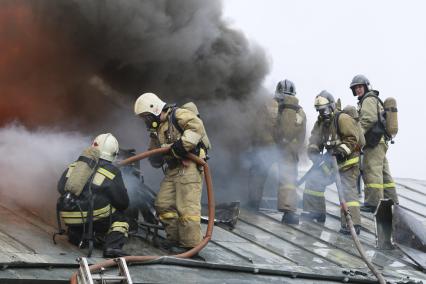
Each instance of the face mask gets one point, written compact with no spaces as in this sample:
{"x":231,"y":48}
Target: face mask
{"x":325,"y":114}
{"x":151,"y":121}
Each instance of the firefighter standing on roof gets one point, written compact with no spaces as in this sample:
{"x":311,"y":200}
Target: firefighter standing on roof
{"x":110,"y":199}
{"x":335,"y":134}
{"x":378,"y":181}
{"x":284,"y":127}
{"x":178,"y":201}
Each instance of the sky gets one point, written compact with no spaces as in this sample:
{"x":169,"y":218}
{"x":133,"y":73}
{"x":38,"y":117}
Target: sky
{"x":323,"y":44}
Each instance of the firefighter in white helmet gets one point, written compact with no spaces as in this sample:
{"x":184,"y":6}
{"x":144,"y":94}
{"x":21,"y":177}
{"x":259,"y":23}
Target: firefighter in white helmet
{"x":102,"y":194}
{"x":178,"y":201}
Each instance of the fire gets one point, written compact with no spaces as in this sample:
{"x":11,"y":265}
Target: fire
{"x":38,"y":67}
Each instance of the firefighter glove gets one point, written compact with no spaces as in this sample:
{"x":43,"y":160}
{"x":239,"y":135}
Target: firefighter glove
{"x":341,"y":151}
{"x":178,"y":150}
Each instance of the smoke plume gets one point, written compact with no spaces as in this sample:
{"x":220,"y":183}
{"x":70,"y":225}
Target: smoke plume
{"x":79,"y":65}
{"x":32,"y":163}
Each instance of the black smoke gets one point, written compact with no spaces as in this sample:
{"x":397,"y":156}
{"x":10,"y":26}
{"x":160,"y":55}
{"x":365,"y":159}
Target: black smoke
{"x":182,"y":50}
{"x":81,"y":64}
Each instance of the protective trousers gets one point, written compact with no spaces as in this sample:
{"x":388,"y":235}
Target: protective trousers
{"x":378,"y":182}
{"x":258,"y":173}
{"x":287,"y":167}
{"x":178,"y":204}
{"x":109,"y":232}
{"x":287,"y":194}
{"x":314,"y":193}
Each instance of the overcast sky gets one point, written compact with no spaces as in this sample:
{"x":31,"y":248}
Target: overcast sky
{"x":323,"y":44}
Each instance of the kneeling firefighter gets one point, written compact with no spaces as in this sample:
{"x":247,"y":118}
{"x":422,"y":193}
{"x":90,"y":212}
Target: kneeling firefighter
{"x":93,"y":198}
{"x":334,"y":133}
{"x":178,"y":203}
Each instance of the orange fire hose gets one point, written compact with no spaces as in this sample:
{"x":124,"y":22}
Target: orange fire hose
{"x":211,"y":214}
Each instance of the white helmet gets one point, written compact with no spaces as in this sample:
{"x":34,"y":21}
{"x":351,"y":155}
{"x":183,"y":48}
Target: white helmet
{"x":107,"y":145}
{"x":149,"y":103}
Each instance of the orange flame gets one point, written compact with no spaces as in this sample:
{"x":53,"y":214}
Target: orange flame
{"x":38,"y":68}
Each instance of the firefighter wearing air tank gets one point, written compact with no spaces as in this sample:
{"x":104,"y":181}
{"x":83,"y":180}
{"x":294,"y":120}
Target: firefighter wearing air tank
{"x":178,"y":201}
{"x":281,"y":127}
{"x":378,"y":181}
{"x":334,"y":133}
{"x":94,"y":182}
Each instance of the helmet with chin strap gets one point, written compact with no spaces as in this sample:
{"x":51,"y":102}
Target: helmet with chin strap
{"x":149,"y":106}
{"x":360,"y":80}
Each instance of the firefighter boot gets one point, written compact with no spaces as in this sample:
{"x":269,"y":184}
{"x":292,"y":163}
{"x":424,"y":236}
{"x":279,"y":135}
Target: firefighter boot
{"x":368,"y":208}
{"x":290,"y":218}
{"x":113,"y":253}
{"x":346,"y":231}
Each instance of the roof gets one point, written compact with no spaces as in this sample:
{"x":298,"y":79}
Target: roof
{"x":259,"y":249}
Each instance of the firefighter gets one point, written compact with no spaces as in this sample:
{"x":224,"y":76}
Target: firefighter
{"x":282,"y":128}
{"x":104,"y":190}
{"x":334,"y":133}
{"x":378,"y":181}
{"x":178,"y":202}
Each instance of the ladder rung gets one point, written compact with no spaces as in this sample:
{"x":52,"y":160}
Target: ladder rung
{"x":87,"y":277}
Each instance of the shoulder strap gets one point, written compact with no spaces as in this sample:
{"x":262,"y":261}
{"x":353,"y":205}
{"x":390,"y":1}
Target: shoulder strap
{"x":91,"y":163}
{"x":336,"y":123}
{"x":371,"y":95}
{"x":379,"y":101}
{"x":174,"y":120}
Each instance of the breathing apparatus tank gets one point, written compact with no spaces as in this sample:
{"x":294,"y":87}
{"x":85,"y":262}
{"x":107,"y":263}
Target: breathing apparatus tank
{"x":290,"y":119}
{"x":79,"y":174}
{"x":391,"y":114}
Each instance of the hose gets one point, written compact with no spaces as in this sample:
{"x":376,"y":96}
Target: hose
{"x":350,"y":223}
{"x":259,"y":270}
{"x":211,"y":214}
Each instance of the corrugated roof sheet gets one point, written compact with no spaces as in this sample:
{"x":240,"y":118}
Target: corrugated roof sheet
{"x":260,"y":248}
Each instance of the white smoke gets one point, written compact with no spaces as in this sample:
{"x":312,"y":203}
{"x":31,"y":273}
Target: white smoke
{"x":32,"y":163}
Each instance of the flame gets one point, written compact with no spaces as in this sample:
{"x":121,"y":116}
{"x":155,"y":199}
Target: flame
{"x":38,"y":67}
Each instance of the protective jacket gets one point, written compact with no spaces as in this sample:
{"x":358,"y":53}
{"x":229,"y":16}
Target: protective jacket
{"x":290,"y":124}
{"x":273,"y":126}
{"x":369,"y":110}
{"x":167,"y":134}
{"x":108,"y":190}
{"x":341,"y":132}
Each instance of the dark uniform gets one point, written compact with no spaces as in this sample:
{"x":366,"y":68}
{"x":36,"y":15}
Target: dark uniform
{"x":110,"y":199}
